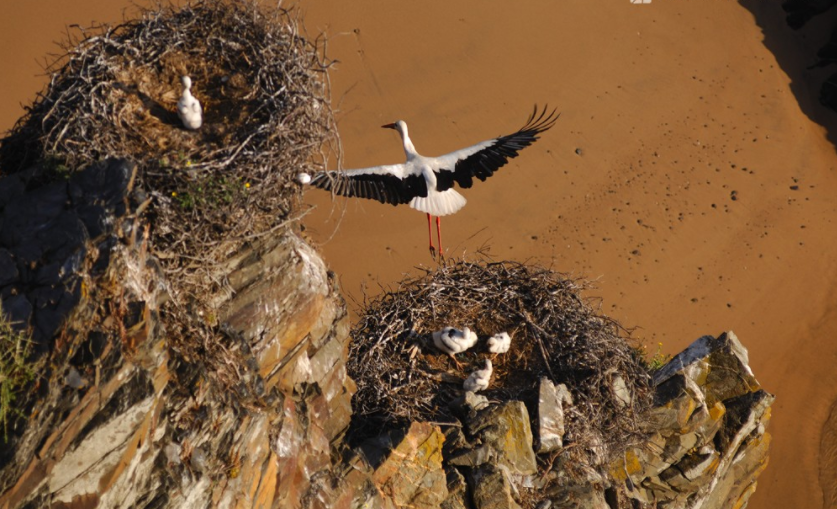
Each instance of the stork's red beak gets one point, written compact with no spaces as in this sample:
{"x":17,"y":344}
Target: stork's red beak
{"x":388,"y":126}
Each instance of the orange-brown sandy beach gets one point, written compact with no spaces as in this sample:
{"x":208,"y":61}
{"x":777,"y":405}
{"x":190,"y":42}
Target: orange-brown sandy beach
{"x":692,"y":173}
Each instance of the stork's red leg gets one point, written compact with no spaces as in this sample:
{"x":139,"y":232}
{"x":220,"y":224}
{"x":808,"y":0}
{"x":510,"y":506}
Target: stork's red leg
{"x":439,"y":234}
{"x":430,"y":236}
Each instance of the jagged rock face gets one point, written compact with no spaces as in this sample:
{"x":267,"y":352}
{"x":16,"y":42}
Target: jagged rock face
{"x":501,"y":434}
{"x":492,"y":488}
{"x":44,"y":236}
{"x":505,"y":430}
{"x":411,"y":475}
{"x":116,"y":427}
{"x":708,"y":441}
{"x":551,"y":401}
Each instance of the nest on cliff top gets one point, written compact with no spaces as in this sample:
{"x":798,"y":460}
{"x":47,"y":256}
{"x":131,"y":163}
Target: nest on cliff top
{"x":263,"y":88}
{"x":205,"y":193}
{"x":555,"y":333}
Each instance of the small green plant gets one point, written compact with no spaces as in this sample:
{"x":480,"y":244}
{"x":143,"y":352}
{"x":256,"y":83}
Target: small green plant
{"x":56,"y":168}
{"x":211,"y":192}
{"x":185,"y":200}
{"x":17,"y":371}
{"x":659,"y":359}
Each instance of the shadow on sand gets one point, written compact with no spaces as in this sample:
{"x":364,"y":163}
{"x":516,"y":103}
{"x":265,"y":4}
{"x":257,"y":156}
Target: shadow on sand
{"x":796,"y":51}
{"x":802,"y":35}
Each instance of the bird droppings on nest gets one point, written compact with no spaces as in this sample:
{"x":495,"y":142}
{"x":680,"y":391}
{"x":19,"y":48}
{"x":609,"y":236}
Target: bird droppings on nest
{"x":401,"y":378}
{"x":204,"y":193}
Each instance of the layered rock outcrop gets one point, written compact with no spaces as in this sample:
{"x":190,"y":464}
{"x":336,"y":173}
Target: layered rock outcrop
{"x":708,"y":441}
{"x":120,"y":420}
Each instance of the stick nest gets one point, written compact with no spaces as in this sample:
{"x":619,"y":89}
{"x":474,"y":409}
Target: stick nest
{"x":401,"y":377}
{"x":114,"y":93}
{"x":206,"y":193}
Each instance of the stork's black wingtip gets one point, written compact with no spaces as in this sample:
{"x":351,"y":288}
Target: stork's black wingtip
{"x":542,"y":121}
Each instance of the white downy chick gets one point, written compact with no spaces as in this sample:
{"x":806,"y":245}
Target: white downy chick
{"x":453,"y":341}
{"x":499,"y":343}
{"x":188,"y":107}
{"x":478,"y":380}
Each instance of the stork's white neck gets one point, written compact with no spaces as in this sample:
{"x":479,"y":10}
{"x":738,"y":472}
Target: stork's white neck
{"x":409,"y":149}
{"x":186,"y":81}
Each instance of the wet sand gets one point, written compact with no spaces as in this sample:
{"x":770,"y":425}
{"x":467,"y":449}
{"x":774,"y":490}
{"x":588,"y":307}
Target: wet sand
{"x":703,"y":198}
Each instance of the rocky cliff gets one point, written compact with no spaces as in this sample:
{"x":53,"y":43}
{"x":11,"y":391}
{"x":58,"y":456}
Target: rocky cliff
{"x":707,"y":441}
{"x":119,"y":420}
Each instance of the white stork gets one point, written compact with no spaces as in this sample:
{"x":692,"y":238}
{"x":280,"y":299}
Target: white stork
{"x":188,"y":107}
{"x":426,"y":183}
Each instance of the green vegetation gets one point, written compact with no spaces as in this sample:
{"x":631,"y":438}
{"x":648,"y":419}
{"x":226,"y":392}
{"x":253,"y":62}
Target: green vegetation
{"x":212,"y":192}
{"x":16,"y":371}
{"x":55,"y":168}
{"x":658,"y":360}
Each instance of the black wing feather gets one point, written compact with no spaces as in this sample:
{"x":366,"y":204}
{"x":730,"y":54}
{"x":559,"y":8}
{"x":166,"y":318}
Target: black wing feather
{"x":484,"y":163}
{"x":384,"y":188}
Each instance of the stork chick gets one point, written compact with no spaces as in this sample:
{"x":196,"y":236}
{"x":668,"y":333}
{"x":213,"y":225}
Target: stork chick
{"x":478,"y":380}
{"x":453,"y":341}
{"x":188,"y":107}
{"x":499,"y":343}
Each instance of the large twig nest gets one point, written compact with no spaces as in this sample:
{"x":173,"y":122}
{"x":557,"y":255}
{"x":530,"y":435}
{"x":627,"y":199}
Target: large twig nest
{"x":114,"y":93}
{"x":556,"y":334}
{"x":204,"y":193}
